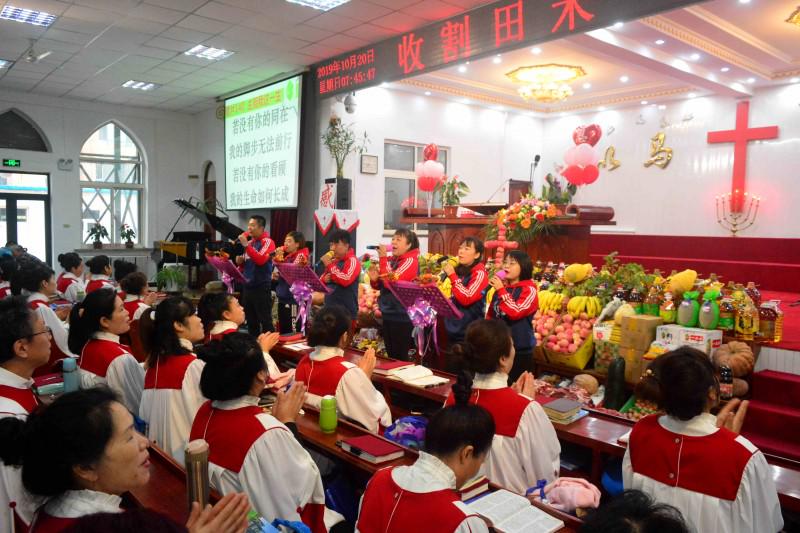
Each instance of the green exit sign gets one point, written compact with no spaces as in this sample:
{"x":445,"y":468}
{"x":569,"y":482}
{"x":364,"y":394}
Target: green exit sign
{"x":16,"y":163}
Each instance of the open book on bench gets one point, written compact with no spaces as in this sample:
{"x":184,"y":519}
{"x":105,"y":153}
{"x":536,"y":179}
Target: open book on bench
{"x":418,"y":376}
{"x":507,"y":512}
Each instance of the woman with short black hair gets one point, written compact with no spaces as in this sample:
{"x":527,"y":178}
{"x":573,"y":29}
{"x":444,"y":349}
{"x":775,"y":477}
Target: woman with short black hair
{"x":100,"y":269}
{"x":70,"y":283}
{"x":138,"y":297}
{"x":695,"y":461}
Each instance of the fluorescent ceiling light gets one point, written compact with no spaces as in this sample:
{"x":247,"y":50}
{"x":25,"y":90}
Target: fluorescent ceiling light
{"x":536,"y":50}
{"x":751,"y":80}
{"x":725,"y":69}
{"x":427,"y":93}
{"x":28,"y":16}
{"x":695,"y":57}
{"x":659,"y":42}
{"x":207,"y":52}
{"x":141,"y":85}
{"x":322,"y":5}
{"x":624,"y":79}
{"x":6,"y":63}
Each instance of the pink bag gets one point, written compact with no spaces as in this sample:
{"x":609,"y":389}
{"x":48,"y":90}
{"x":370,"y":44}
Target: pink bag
{"x":570,"y":493}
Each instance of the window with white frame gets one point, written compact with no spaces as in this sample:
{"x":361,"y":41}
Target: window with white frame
{"x":400,"y":182}
{"x":112,"y":183}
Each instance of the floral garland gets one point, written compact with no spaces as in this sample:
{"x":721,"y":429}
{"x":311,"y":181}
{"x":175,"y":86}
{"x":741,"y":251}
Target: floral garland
{"x":524,"y":220}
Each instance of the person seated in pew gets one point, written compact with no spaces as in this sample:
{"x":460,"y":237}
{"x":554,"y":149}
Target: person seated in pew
{"x":138,"y":296}
{"x":695,"y":461}
{"x":100,"y":270}
{"x":469,"y":280}
{"x":24,"y":347}
{"x":515,"y":303}
{"x":635,"y":512}
{"x":8,"y":266}
{"x":171,"y":395}
{"x":423,"y":496}
{"x":220,"y":518}
{"x":325,"y":372}
{"x":293,"y":251}
{"x":525,"y":448}
{"x":122,"y":268}
{"x":99,"y":457}
{"x":403,"y":265}
{"x":95,"y":325}
{"x":70,"y":284}
{"x":222,"y":315}
{"x":342,"y":270}
{"x":251,"y":450}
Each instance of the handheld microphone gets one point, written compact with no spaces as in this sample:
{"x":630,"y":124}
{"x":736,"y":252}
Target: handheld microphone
{"x":501,"y":274}
{"x":535,"y":164}
{"x":376,"y":246}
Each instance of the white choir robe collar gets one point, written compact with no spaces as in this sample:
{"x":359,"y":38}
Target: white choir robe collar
{"x":132,"y":298}
{"x":34,"y":296}
{"x":70,"y":275}
{"x":427,"y":474}
{"x":78,"y":503}
{"x":105,"y":336}
{"x":495,"y":380}
{"x":323,"y":353}
{"x":101,"y":277}
{"x":223,"y":325}
{"x":236,"y":403}
{"x":16,"y":381}
{"x":700,"y":426}
{"x":186,"y":343}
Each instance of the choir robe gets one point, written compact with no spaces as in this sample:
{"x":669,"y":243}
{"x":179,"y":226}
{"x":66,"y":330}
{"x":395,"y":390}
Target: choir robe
{"x":104,"y":361}
{"x":717,"y":479}
{"x":525,"y":447}
{"x":325,"y":372}
{"x":420,"y":497}
{"x":99,"y":281}
{"x":17,"y":400}
{"x":252,"y":452}
{"x":134,"y":306}
{"x":62,"y":511}
{"x":225,"y":327}
{"x":70,"y":287}
{"x":5,"y":290}
{"x":170,"y":400}
{"x":59,"y":348}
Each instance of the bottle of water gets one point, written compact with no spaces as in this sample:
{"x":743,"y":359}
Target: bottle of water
{"x":257,"y":524}
{"x":69,"y":368}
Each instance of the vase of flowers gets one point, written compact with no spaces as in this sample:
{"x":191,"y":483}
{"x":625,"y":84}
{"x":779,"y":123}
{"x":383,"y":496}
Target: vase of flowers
{"x":98,"y":232}
{"x":128,"y":234}
{"x":452,"y":190}
{"x":341,"y":141}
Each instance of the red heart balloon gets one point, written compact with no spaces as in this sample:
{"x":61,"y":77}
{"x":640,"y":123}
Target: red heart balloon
{"x":431,"y":152}
{"x":578,"y":136}
{"x":590,"y":174}
{"x":574,"y":174}
{"x":592,"y":134}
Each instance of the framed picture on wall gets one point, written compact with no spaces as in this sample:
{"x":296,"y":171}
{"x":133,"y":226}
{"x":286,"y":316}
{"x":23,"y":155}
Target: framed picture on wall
{"x":369,"y":164}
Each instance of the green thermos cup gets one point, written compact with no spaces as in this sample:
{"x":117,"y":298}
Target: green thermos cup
{"x":328,"y":419}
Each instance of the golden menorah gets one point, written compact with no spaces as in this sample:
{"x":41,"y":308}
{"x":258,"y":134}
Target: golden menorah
{"x":737,"y":221}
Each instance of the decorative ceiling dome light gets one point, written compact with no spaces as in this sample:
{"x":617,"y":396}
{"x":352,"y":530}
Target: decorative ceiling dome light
{"x":546,"y":83}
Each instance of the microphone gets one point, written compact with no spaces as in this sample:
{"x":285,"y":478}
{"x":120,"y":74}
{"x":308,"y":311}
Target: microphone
{"x":535,"y":164}
{"x":376,"y":246}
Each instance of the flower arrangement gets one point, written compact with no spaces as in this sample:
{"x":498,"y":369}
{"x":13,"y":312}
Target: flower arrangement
{"x":341,"y":142}
{"x":127,"y":233}
{"x":452,"y":190}
{"x":555,"y":193}
{"x":523,"y":221}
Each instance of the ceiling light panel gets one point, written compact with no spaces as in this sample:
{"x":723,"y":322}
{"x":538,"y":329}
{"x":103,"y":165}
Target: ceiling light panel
{"x":28,"y":16}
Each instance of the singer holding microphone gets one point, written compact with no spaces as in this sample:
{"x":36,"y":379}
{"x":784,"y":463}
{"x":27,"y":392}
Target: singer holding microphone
{"x":403,"y":265}
{"x":257,"y":290}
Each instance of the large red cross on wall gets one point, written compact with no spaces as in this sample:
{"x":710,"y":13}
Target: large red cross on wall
{"x":740,"y":137}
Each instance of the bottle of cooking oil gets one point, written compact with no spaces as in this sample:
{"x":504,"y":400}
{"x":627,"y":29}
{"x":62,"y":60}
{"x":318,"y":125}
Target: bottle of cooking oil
{"x":746,"y":319}
{"x":753,"y":293}
{"x":727,"y":312}
{"x":770,"y":322}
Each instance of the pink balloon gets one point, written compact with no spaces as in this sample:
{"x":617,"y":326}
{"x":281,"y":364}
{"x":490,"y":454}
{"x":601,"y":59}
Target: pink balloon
{"x":419,"y":169}
{"x":571,"y":156}
{"x":585,"y":155}
{"x":433,"y":169}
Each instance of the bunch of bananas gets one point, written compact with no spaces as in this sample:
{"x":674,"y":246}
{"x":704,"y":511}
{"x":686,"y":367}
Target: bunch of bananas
{"x":550,"y":301}
{"x":584,"y":304}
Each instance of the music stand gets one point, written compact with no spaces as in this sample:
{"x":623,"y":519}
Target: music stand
{"x":294,"y":273}
{"x":228,"y":271}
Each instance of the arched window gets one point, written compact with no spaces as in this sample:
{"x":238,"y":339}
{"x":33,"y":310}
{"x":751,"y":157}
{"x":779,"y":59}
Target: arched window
{"x":18,"y":132}
{"x":112,"y":183}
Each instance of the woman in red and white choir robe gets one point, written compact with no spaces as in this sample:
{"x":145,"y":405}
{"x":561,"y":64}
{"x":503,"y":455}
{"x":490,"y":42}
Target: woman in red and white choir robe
{"x":138,"y":297}
{"x":100,"y":457}
{"x":94,"y":328}
{"x":171,"y":394}
{"x":251,"y":450}
{"x":423,"y":496}
{"x":100,"y":269}
{"x":37,"y":281}
{"x":525,"y":447}
{"x":24,"y":346}
{"x":325,"y":372}
{"x":689,"y":459}
{"x":70,"y":283}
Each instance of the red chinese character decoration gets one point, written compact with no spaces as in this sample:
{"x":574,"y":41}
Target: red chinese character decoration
{"x":569,"y":9}
{"x":508,"y":23}
{"x":408,"y":53}
{"x":455,"y":40}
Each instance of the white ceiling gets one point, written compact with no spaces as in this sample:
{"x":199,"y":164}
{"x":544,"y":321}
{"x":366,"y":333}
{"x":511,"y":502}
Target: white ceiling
{"x":98,"y":45}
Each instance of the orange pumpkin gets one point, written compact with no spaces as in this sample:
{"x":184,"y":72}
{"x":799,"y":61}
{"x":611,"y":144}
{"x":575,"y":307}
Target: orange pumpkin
{"x":736,"y":355}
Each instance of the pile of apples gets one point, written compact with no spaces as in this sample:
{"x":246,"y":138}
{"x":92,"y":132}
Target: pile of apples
{"x":368,"y":300}
{"x":561,"y":334}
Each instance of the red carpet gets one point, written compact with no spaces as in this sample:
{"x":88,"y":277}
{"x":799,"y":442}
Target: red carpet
{"x":773,"y":419}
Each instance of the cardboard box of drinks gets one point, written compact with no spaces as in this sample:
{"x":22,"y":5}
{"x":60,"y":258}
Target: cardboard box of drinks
{"x":705,"y":340}
{"x":633,"y":363}
{"x":639,"y":331}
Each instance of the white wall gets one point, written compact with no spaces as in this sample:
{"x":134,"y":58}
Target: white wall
{"x":165,"y":137}
{"x":679,"y":200}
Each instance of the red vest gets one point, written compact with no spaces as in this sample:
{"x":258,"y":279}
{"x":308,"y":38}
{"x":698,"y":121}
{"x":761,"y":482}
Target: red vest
{"x":505,"y":406}
{"x":131,"y":307}
{"x":96,"y":284}
{"x":321,"y":377}
{"x":712,"y":465}
{"x":63,"y":283}
{"x":55,"y":352}
{"x":5,"y":292}
{"x":387,"y":508}
{"x":219,"y":336}
{"x":98,"y":354}
{"x":168,"y":372}
{"x":24,"y":397}
{"x":44,"y":523}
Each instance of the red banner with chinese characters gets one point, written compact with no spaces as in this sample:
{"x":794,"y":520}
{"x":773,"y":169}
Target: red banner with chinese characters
{"x":484,"y":31}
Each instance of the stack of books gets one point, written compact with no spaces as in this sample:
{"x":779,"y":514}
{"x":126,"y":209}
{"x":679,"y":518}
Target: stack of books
{"x":564,"y":411}
{"x":474,"y":487}
{"x":372,"y":449}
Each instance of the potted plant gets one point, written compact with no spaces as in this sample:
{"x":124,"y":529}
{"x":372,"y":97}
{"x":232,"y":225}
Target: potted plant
{"x":97,"y":232}
{"x":556,"y":194}
{"x":341,"y":141}
{"x":452,"y":190}
{"x":127,"y":233}
{"x":171,"y":278}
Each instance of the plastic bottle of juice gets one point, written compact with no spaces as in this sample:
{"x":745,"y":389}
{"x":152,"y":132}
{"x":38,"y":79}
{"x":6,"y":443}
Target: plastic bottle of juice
{"x":636,"y":300}
{"x":668,"y":311}
{"x":652,"y":303}
{"x":753,"y":293}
